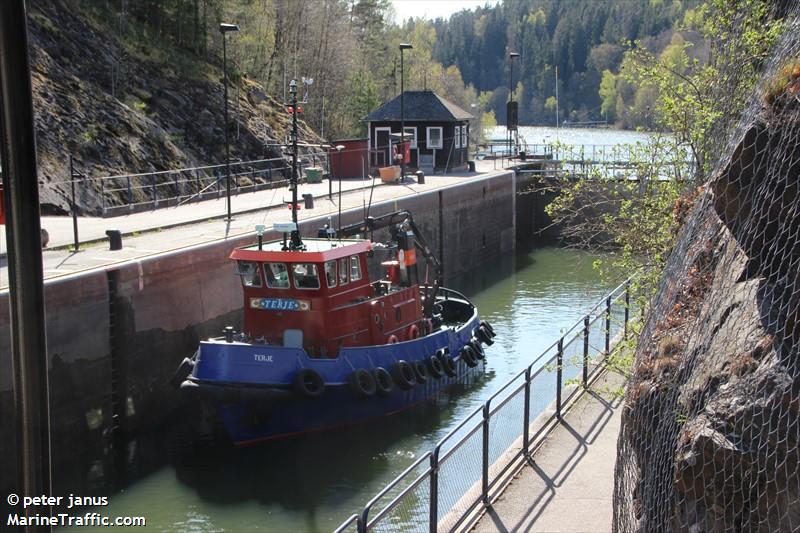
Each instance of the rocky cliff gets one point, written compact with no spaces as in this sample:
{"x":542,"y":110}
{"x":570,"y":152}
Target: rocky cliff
{"x":125,"y":106}
{"x":711,"y":424}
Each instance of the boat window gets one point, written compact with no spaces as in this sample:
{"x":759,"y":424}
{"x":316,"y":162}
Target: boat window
{"x":342,"y":271}
{"x":249,"y":272}
{"x":305,"y":276}
{"x":355,"y":268}
{"x":330,"y":273}
{"x":277,"y":275}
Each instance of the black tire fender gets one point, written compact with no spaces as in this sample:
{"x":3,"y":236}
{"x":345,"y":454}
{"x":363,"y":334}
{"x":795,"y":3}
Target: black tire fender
{"x":435,"y":367}
{"x":362,"y":383}
{"x":479,"y":352}
{"x":383,"y":381}
{"x":468,"y":355}
{"x":403,"y":375}
{"x":420,"y":371}
{"x":308,"y":383}
{"x":448,"y":363}
{"x":183,"y":371}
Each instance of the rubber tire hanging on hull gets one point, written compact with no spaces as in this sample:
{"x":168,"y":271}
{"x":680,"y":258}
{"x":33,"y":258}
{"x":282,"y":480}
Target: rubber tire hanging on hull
{"x":476,"y":345}
{"x":383,"y":381}
{"x":420,"y":371}
{"x":184,"y":369}
{"x":448,"y":363}
{"x":403,"y":375}
{"x":308,"y":383}
{"x":469,"y":356}
{"x":435,"y":367}
{"x":483,"y":335}
{"x":362,"y":383}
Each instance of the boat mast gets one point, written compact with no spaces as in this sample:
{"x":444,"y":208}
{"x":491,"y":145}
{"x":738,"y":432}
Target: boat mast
{"x":296,"y":242}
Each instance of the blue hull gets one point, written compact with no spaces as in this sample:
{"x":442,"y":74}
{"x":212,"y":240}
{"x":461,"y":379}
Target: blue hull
{"x":251,"y":385}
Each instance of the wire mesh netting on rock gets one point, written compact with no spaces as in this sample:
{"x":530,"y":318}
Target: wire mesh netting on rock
{"x":711,"y":424}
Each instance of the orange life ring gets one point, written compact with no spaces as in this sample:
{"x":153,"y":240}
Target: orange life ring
{"x":393,"y":339}
{"x":413,"y":332}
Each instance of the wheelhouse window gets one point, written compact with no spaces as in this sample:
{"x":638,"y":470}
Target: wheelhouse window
{"x":342,"y":271}
{"x":330,"y":273}
{"x":355,"y":268}
{"x":305,"y":276}
{"x":249,"y":272}
{"x":277,"y":275}
{"x":434,"y":135}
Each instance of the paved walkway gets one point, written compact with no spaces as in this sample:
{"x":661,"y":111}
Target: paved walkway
{"x":171,"y":228}
{"x":569,"y":485}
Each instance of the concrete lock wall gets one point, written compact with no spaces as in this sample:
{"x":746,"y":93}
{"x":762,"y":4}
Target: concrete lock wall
{"x":115,"y":335}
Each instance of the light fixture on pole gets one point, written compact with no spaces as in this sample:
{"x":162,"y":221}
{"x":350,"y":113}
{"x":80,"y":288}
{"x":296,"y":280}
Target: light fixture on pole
{"x":509,"y":111}
{"x":339,"y":148}
{"x":403,"y":46}
{"x":223,"y":29}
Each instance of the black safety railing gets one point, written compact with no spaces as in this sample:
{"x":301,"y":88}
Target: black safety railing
{"x":445,"y":486}
{"x":127,"y":193}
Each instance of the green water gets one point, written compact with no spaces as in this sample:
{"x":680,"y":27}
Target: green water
{"x":314,"y":483}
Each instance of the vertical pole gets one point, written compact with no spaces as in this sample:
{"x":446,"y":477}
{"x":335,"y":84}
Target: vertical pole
{"x":130,"y":194}
{"x":433,"y":515}
{"x":585,"y":350}
{"x":155,"y":190}
{"x":608,"y":325}
{"x":103,"y":196}
{"x":559,"y":365}
{"x":227,"y":144}
{"x":627,"y":306}
{"x":26,"y":291}
{"x":74,"y":207}
{"x":402,"y":119}
{"x":485,"y":465}
{"x":510,"y":99}
{"x":526,"y":413}
{"x":296,"y":242}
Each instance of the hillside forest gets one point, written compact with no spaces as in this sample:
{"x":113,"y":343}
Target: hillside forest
{"x":349,"y":48}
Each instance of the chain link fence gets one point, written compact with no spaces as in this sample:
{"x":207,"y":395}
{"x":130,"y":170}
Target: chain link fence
{"x":710,"y":437}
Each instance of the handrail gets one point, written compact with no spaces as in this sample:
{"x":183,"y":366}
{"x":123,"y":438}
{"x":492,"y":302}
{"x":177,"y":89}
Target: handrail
{"x":481,"y":416}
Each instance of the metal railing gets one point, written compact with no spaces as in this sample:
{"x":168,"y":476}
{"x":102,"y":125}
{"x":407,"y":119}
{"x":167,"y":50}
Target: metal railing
{"x":126,"y":193}
{"x":444,"y":486}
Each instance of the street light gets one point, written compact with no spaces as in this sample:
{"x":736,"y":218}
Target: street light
{"x":511,"y":57}
{"x":339,"y":148}
{"x":223,"y":29}
{"x":403,"y":46}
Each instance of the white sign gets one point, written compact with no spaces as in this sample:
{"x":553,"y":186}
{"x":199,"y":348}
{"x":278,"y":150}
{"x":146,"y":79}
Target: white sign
{"x":285,"y":227}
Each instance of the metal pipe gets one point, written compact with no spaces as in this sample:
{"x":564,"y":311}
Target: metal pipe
{"x":526,"y":413}
{"x":627,"y":307}
{"x":26,"y":289}
{"x":433,"y":516}
{"x":227,"y":143}
{"x":485,"y":463}
{"x":559,"y":365}
{"x":608,"y":325}
{"x":585,"y":350}
{"x":74,"y":207}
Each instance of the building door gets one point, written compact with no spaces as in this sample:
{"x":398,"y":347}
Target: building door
{"x":381,"y":154}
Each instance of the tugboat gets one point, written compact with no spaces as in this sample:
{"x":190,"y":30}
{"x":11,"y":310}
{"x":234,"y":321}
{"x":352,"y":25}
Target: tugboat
{"x":321,"y":345}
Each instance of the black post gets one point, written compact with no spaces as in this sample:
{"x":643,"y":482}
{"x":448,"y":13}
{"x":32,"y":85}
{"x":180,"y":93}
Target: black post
{"x":433,"y":514}
{"x":526,"y":413}
{"x":559,"y":365}
{"x":330,"y":176}
{"x":608,"y":325}
{"x":403,"y":46}
{"x":485,"y":465}
{"x":74,"y":207}
{"x":26,"y":290}
{"x":227,"y":141}
{"x":585,"y":350}
{"x":627,"y":305}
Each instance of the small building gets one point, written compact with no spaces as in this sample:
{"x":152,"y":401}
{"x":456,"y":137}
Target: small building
{"x":439,"y":130}
{"x":352,"y":162}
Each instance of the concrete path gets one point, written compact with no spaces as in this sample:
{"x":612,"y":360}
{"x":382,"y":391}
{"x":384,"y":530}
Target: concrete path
{"x":171,"y":228}
{"x":569,"y":485}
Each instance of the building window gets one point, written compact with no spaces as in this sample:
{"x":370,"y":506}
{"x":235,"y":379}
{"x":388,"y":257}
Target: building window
{"x":464,"y":137}
{"x":457,"y":136}
{"x":412,"y":131}
{"x":434,"y":137}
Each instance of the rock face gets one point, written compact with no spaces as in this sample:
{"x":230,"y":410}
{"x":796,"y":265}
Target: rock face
{"x":711,"y":428}
{"x":118,"y":109}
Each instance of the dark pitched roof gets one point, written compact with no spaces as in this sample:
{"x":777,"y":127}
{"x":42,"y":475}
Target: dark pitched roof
{"x":420,"y":105}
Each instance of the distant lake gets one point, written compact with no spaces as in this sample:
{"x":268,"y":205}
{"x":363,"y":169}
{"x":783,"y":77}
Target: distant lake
{"x":573,"y":136}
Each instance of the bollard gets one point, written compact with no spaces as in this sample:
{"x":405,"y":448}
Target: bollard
{"x":114,"y":239}
{"x":228,"y":331}
{"x":309,"y":200}
{"x":420,"y":177}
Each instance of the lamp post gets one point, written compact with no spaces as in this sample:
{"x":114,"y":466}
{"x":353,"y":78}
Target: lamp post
{"x":296,"y":242}
{"x":511,"y":57}
{"x":403,"y":46}
{"x":339,"y":148}
{"x":223,"y":29}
